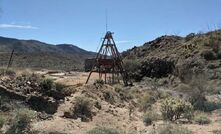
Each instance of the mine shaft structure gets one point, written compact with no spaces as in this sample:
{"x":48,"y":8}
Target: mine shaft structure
{"x":108,"y":63}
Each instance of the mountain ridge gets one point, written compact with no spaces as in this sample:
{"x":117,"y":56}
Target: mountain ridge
{"x":66,"y":54}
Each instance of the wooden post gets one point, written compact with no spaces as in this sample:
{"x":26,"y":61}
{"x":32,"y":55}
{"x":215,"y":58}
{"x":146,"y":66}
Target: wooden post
{"x":10,"y":60}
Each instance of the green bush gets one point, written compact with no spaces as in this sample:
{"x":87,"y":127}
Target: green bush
{"x":59,"y":87}
{"x":199,"y":101}
{"x":20,"y":123}
{"x":104,"y":130}
{"x":99,"y":81}
{"x":9,"y":72}
{"x":82,"y":109}
{"x":150,"y":116}
{"x":46,"y":84}
{"x":171,"y":129}
{"x":132,"y":68}
{"x":56,"y":90}
{"x":150,"y":98}
{"x":63,"y":89}
{"x":175,"y":108}
{"x":147,"y":120}
{"x":209,"y":55}
{"x":202,"y":119}
{"x":2,"y":122}
{"x":109,"y":96}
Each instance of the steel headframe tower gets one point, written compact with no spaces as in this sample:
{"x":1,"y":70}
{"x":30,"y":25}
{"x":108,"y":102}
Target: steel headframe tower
{"x":109,"y":62}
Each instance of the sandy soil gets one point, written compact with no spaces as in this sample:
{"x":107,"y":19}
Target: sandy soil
{"x":111,"y":115}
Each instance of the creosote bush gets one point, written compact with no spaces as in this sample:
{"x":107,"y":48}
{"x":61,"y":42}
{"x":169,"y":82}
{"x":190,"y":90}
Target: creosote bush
{"x":46,"y":84}
{"x":55,"y":90}
{"x":2,"y":122}
{"x":175,"y":108}
{"x":82,"y":109}
{"x":197,"y":96}
{"x":147,"y":101}
{"x":202,"y":118}
{"x":21,"y":121}
{"x":150,"y":98}
{"x":150,"y":116}
{"x":104,"y":130}
{"x":170,"y":129}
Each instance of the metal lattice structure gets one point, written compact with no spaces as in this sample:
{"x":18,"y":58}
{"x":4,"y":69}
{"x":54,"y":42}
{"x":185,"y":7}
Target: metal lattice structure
{"x":108,"y":62}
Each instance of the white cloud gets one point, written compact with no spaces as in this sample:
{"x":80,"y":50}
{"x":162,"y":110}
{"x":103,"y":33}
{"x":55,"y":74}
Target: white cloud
{"x":17,"y":26}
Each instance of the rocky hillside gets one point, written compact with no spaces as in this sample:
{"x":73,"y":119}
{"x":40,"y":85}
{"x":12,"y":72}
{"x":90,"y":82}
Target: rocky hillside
{"x":36,"y":54}
{"x":178,"y":56}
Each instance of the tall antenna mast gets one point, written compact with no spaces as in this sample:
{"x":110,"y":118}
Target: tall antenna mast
{"x":106,"y":17}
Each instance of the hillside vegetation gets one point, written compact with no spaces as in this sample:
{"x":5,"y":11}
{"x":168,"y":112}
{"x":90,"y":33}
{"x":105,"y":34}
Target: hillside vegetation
{"x":183,"y":57}
{"x":36,"y":54}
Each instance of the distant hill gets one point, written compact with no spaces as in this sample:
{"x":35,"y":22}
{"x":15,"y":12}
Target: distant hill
{"x":36,"y":54}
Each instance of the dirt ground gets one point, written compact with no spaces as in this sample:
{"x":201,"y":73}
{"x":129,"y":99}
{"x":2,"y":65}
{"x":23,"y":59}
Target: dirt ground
{"x":111,"y":115}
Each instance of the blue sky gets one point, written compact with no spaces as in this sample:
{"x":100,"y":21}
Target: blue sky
{"x":82,"y":22}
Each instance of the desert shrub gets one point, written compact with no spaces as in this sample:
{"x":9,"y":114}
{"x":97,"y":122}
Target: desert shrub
{"x":209,"y":55}
{"x":132,"y":68}
{"x":124,"y":94}
{"x":190,"y":36}
{"x":197,"y":95}
{"x":198,"y":99}
{"x":21,"y":121}
{"x":99,"y":81}
{"x":202,"y":118}
{"x":217,"y":131}
{"x":171,"y":129}
{"x":214,"y":44}
{"x":82,"y":109}
{"x":147,"y":120}
{"x":104,"y":130}
{"x":157,"y":68}
{"x":175,"y":108}
{"x":59,"y":87}
{"x":46,"y":84}
{"x":55,"y":90}
{"x":63,"y":89}
{"x":147,"y":101}
{"x":219,"y":54}
{"x":151,"y":97}
{"x":9,"y":72}
{"x":2,"y":121}
{"x":150,"y":116}
{"x":5,"y":104}
{"x":109,"y":96}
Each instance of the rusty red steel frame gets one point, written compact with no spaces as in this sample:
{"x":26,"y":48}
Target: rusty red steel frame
{"x":108,"y":61}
